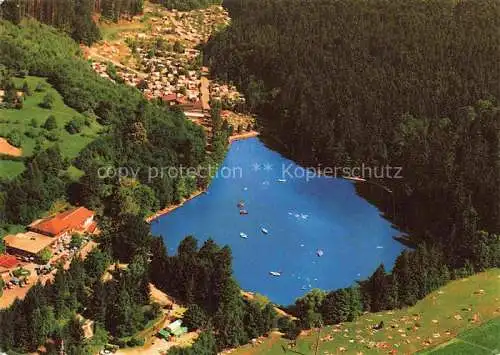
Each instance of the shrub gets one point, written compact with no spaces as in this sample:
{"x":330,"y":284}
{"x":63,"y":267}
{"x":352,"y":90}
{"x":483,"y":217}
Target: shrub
{"x":178,"y":47}
{"x":284,"y":324}
{"x":19,"y":103}
{"x":26,"y":89}
{"x":52,"y":136}
{"x":33,"y":123}
{"x":45,"y":256}
{"x":15,"y":138}
{"x":75,"y":125}
{"x":120,"y":343}
{"x":293,"y":332}
{"x":50,"y":123}
{"x":40,"y":87}
{"x":89,"y":117}
{"x":22,"y":73}
{"x":31,"y":133}
{"x":135,"y":342}
{"x":76,"y":241}
{"x":40,"y":140}
{"x":21,"y":272}
{"x":48,"y":101}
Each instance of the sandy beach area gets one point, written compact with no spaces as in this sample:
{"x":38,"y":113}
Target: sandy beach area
{"x":246,"y":135}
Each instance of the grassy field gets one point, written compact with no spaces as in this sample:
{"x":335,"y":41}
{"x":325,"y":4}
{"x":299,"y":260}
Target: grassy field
{"x":110,"y":31}
{"x":457,"y":308}
{"x":10,"y":169}
{"x":482,"y":340}
{"x":22,"y":120}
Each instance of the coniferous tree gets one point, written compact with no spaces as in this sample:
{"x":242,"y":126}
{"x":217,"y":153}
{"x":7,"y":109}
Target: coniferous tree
{"x":195,"y":318}
{"x":378,"y":287}
{"x":26,"y":89}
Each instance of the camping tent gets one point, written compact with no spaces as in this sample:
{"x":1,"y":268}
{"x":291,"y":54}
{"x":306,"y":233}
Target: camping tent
{"x":163,"y":333}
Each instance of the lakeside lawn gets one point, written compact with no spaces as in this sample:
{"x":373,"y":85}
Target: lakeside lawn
{"x":450,"y":315}
{"x":23,"y":121}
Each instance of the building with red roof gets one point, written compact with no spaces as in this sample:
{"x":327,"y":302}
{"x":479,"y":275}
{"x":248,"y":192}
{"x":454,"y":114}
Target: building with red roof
{"x":170,"y":98}
{"x":7,"y":262}
{"x":75,"y":220}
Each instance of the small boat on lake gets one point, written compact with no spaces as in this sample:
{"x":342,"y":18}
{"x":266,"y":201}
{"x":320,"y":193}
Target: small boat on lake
{"x":264,"y":230}
{"x":281,"y":180}
{"x":243,"y":212}
{"x":319,"y":252}
{"x":354,"y":178}
{"x":243,"y":235}
{"x":275,"y":273}
{"x":241,"y":204}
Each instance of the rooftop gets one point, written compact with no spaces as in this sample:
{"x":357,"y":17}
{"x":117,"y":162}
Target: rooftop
{"x":30,"y":242}
{"x":68,"y":220}
{"x":8,"y":261}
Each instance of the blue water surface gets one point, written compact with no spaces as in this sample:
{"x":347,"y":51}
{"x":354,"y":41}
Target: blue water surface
{"x":302,"y":216}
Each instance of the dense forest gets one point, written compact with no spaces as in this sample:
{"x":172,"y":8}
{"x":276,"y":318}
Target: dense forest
{"x":186,"y":5}
{"x":409,"y":83}
{"x":75,"y":17}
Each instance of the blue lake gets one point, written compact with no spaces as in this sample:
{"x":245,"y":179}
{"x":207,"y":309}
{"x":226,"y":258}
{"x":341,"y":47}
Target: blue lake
{"x":301,"y":215}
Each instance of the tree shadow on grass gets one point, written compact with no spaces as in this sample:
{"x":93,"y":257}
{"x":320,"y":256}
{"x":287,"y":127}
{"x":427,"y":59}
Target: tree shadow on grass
{"x":291,"y":351}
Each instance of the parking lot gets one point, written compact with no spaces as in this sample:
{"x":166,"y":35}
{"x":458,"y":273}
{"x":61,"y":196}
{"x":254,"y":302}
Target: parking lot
{"x":40,"y":273}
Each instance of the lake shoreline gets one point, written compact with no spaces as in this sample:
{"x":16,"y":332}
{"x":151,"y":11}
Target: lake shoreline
{"x":242,"y":136}
{"x":174,"y":206}
{"x":170,"y":208}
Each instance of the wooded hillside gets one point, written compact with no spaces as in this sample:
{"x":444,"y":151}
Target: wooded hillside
{"x":75,"y":17}
{"x":409,"y":83}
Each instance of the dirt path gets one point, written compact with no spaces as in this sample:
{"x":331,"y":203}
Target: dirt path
{"x":159,"y":346}
{"x":153,"y":344}
{"x":251,"y":296}
{"x":205,"y":93}
{"x":8,"y":149}
{"x":160,"y":297}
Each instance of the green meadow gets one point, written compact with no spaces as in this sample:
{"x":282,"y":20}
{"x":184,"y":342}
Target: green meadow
{"x":10,"y":169}
{"x":29,"y":122}
{"x":462,"y":317}
{"x":482,"y":340}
